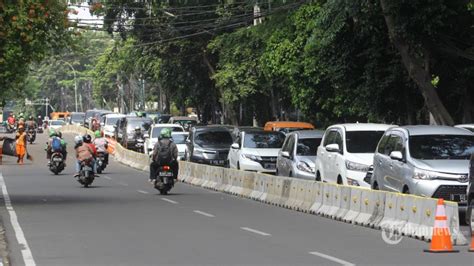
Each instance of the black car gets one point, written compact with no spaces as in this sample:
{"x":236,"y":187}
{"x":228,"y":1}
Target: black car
{"x":208,"y":145}
{"x":470,"y":194}
{"x":126,"y":129}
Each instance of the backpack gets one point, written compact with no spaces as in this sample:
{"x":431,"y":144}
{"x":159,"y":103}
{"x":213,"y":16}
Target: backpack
{"x":56,"y":144}
{"x":163,"y":156}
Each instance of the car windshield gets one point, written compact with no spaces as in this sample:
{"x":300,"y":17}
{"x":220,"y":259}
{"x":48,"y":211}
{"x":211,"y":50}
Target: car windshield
{"x":308,"y":147}
{"x":207,"y":138}
{"x":77,"y":117}
{"x":290,"y":129}
{"x":441,"y":147}
{"x":57,"y":123}
{"x":157,"y":131}
{"x":264,"y":140}
{"x":363,"y":141}
{"x":138,"y":123}
{"x":112,"y":120}
{"x":179,"y":138}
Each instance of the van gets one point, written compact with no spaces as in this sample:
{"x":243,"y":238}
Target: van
{"x":287,"y":126}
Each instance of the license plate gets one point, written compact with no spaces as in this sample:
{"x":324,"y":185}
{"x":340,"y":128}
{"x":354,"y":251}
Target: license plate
{"x":86,"y":168}
{"x":458,"y":198}
{"x":269,"y":166}
{"x":217,"y":162}
{"x":57,"y":159}
{"x":166,"y":174}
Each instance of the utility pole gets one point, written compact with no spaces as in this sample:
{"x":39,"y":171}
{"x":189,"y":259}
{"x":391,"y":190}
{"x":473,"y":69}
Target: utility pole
{"x":75,"y":83}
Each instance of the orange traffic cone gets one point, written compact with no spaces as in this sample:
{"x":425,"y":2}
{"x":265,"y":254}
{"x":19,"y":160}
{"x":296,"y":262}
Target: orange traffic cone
{"x":472,"y":242}
{"x":441,"y":239}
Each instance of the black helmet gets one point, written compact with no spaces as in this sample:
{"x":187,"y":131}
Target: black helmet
{"x":87,"y":138}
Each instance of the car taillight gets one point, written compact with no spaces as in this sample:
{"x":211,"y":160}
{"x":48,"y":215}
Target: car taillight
{"x":166,"y":168}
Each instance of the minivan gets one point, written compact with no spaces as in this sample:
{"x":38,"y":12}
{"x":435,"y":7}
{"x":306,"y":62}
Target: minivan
{"x":429,"y":161}
{"x":208,"y":145}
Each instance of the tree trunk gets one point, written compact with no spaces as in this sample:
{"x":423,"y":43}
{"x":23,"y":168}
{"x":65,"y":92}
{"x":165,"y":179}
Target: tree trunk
{"x":468,"y":108}
{"x":417,"y":72}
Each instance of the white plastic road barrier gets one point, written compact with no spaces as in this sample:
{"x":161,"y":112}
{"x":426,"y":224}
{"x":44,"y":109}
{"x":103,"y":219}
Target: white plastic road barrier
{"x":309,"y":196}
{"x":390,"y":212}
{"x":268,"y":186}
{"x":290,"y":203}
{"x":452,"y":213}
{"x":354,"y":205}
{"x":345,"y":202}
{"x":318,"y":191}
{"x":248,"y":182}
{"x":264,"y":187}
{"x":328,"y":198}
{"x":285,"y":193}
{"x":372,"y":208}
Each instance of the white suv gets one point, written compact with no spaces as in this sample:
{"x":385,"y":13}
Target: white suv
{"x":155,"y":132}
{"x":347,"y":151}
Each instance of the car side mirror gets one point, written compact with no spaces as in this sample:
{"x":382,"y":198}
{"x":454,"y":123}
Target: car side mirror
{"x":102,"y":124}
{"x":285,"y":154}
{"x":235,"y":146}
{"x":333,"y":148}
{"x":396,"y":155}
{"x":188,"y":141}
{"x":146,"y":135}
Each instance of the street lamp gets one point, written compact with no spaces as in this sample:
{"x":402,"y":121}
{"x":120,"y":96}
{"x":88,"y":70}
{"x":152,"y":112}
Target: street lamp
{"x":75,"y":82}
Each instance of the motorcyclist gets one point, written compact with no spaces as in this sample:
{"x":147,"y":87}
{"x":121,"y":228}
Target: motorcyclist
{"x":30,"y":123}
{"x":51,"y":145}
{"x":39,"y":121}
{"x":101,"y":145}
{"x":11,"y":121}
{"x":165,"y":152}
{"x":138,"y":134}
{"x":83,"y":153}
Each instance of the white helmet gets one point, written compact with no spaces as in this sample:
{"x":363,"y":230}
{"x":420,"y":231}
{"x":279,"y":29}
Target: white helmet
{"x":78,"y":139}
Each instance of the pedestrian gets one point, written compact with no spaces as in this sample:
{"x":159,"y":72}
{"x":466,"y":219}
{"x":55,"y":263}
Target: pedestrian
{"x":20,"y":144}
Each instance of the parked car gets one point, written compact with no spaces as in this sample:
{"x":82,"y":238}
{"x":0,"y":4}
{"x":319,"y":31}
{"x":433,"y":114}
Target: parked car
{"x":185,"y":121}
{"x":155,"y":132}
{"x":179,"y":138}
{"x":109,"y":124}
{"x":347,"y":151}
{"x":76,"y":118}
{"x":429,"y":161}
{"x":469,"y":127}
{"x":256,"y":151}
{"x":56,"y":124}
{"x":164,"y":119}
{"x":208,"y":145}
{"x":126,"y":129}
{"x":298,"y":154}
{"x":470,"y":195}
{"x":287,"y":126}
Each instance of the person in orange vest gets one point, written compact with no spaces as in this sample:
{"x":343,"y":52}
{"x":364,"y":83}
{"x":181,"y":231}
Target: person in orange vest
{"x":21,"y":144}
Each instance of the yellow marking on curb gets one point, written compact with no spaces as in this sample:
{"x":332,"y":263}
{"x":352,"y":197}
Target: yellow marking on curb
{"x":414,"y":209}
{"x":366,"y":202}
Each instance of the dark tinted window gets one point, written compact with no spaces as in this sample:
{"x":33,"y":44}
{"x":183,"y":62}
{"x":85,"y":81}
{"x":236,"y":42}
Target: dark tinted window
{"x":330,"y":137}
{"x":383,"y":143}
{"x":77,"y":117}
{"x":362,"y":141}
{"x":435,"y":147}
{"x":308,"y":147}
{"x":264,"y":140}
{"x":112,"y":120}
{"x":206,"y":138}
{"x":132,"y":123}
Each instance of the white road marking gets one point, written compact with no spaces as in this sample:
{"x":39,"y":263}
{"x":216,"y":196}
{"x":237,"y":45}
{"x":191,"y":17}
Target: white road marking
{"x":170,"y":201}
{"x":20,"y":236}
{"x":331,"y":258}
{"x":123,"y":184}
{"x":255,"y":231}
{"x":107,"y":177}
{"x":204,"y":213}
{"x":143,"y":192}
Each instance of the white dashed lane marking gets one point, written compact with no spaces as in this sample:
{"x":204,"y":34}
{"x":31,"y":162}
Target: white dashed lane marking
{"x":143,"y":192}
{"x":204,"y":213}
{"x":331,"y":258}
{"x":255,"y":231}
{"x":170,"y":201}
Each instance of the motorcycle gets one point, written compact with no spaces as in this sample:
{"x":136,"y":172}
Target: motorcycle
{"x":140,"y":145}
{"x":31,"y":135}
{"x":165,"y":180}
{"x":39,"y":130}
{"x":101,"y":164}
{"x":56,"y":163}
{"x":45,"y":125}
{"x":86,"y":174}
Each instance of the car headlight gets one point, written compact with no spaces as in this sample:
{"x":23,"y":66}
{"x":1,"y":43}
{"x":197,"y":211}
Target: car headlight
{"x":198,"y":151}
{"x":353,"y":166}
{"x":424,"y":175}
{"x":303,"y":166}
{"x":251,"y":157}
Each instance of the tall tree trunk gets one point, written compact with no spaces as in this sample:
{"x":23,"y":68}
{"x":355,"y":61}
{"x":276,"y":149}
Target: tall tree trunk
{"x":226,"y":108}
{"x":468,"y":108}
{"x":417,"y":72}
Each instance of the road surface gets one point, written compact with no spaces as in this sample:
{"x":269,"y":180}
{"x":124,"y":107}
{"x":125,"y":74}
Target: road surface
{"x":121,"y":220}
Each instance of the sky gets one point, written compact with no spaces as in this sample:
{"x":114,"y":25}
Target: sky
{"x":84,"y":16}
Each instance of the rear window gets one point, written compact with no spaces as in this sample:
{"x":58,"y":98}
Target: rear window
{"x":179,"y":138}
{"x":264,"y":140}
{"x":112,"y":120}
{"x":308,"y":146}
{"x":77,"y":117}
{"x":363,"y":141}
{"x":207,"y":138}
{"x":157,"y":131}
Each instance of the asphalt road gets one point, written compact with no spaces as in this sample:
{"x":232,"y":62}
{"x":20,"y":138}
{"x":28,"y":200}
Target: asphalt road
{"x":121,"y":220}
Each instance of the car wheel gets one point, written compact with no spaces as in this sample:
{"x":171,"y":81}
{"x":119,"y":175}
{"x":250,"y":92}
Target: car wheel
{"x":406,"y":190}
